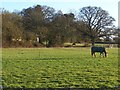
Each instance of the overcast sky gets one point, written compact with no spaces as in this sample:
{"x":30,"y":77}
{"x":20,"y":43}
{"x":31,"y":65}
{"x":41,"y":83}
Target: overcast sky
{"x":64,"y":5}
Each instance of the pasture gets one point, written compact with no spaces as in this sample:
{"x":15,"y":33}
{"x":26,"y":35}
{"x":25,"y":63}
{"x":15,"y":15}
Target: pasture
{"x":58,"y":68}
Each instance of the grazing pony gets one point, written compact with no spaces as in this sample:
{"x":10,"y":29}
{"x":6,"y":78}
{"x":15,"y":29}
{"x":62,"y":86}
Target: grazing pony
{"x":101,"y":50}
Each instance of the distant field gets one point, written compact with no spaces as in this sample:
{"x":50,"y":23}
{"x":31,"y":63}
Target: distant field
{"x":58,"y":68}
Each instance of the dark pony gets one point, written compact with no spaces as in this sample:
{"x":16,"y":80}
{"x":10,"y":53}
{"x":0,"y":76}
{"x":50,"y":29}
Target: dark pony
{"x":101,"y":50}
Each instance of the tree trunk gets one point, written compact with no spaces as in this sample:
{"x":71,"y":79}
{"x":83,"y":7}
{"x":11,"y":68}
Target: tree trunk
{"x":93,"y":41}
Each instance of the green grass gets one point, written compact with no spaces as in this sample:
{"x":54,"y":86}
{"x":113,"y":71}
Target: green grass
{"x":58,"y":68}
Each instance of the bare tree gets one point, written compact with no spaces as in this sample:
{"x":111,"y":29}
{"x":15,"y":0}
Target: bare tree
{"x":97,"y":21}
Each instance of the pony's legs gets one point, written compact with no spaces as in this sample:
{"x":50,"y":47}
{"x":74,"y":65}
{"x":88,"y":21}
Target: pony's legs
{"x":101,"y":54}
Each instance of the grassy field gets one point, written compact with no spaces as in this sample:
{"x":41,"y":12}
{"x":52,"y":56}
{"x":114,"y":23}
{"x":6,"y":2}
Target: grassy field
{"x":58,"y":68}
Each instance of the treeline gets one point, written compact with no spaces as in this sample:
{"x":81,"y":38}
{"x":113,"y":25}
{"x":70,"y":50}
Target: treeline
{"x":43,"y":26}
